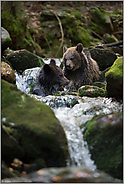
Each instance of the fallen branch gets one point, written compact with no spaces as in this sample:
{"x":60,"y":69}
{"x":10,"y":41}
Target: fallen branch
{"x":98,"y":36}
{"x":61,"y":31}
{"x":114,"y":44}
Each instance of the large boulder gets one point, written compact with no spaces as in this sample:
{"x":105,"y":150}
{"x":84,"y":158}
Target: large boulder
{"x":114,"y":80}
{"x":104,"y":57}
{"x":104,"y":135}
{"x":23,"y":59}
{"x":34,"y":128}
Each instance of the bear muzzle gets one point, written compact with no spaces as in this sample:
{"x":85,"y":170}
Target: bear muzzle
{"x":64,"y":82}
{"x":69,"y":65}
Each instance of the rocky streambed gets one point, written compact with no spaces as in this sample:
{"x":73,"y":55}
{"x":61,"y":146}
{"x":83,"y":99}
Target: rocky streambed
{"x":74,"y":112}
{"x":92,"y":126}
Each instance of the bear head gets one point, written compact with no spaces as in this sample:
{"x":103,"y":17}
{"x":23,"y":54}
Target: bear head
{"x":49,"y":79}
{"x":54,"y":75}
{"x":72,"y":57}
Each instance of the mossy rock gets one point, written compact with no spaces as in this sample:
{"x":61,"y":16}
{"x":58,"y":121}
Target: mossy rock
{"x":16,"y":24}
{"x":6,"y":41}
{"x":114,"y":79}
{"x":97,"y":15}
{"x":104,"y":57}
{"x":104,"y":135}
{"x":74,"y":29}
{"x":35,"y":128}
{"x":101,"y":22}
{"x":23,"y":59}
{"x":99,"y":84}
{"x":91,"y":91}
{"x":9,"y":146}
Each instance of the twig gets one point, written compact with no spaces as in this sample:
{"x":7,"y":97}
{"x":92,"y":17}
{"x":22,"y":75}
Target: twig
{"x":98,"y":36}
{"x":61,"y":31}
{"x":118,"y":32}
{"x":46,"y":41}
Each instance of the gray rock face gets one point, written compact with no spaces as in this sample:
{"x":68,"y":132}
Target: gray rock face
{"x":5,"y":39}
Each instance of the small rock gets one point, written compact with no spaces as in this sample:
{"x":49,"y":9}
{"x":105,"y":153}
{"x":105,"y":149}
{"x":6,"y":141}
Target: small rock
{"x":7,"y":73}
{"x":91,"y":91}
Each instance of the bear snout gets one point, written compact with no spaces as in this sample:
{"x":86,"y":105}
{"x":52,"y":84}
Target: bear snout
{"x":69,"y":65}
{"x":67,"y":82}
{"x":64,"y":81}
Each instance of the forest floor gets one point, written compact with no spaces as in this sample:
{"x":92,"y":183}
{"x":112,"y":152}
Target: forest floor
{"x":35,"y":7}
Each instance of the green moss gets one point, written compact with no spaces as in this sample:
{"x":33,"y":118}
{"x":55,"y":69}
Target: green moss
{"x":36,"y":127}
{"x":98,"y":16}
{"x":105,"y":144}
{"x":26,"y":41}
{"x":75,"y":29}
{"x":91,"y":91}
{"x":24,"y":60}
{"x":31,"y":87}
{"x":50,"y":37}
{"x":114,"y":80}
{"x":99,"y":84}
{"x":117,"y":16}
{"x":8,"y":39}
{"x":96,"y":28}
{"x":116,"y":70}
{"x":15,"y":26}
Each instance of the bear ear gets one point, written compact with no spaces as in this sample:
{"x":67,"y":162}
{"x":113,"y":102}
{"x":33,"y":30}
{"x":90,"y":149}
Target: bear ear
{"x":52,"y":62}
{"x":64,"y":49}
{"x":46,"y":68}
{"x":79,"y":47}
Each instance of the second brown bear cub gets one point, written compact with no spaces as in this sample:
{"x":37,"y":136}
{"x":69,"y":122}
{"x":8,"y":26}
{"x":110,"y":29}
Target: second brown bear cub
{"x":49,"y":79}
{"x":79,"y":67}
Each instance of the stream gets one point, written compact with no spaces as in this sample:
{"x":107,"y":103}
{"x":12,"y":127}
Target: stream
{"x":72,"y":112}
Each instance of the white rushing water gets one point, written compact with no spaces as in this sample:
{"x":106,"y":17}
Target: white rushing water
{"x":71,"y":118}
{"x":79,"y":154}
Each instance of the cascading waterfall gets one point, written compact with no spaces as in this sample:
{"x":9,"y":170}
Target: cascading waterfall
{"x":79,"y":154}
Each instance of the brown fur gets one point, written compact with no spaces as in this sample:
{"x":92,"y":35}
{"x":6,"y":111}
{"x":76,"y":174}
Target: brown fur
{"x":49,"y":79}
{"x":79,"y":67}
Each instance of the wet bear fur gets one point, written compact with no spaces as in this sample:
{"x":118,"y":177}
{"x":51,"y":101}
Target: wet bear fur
{"x":79,"y":67}
{"x":49,"y":79}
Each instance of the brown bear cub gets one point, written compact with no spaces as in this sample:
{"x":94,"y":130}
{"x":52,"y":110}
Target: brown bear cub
{"x":79,"y":67}
{"x":49,"y":79}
